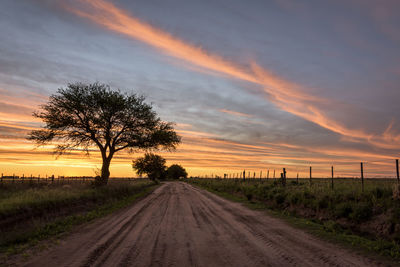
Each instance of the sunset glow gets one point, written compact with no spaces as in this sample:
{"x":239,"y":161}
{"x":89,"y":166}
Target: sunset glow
{"x":244,"y":94}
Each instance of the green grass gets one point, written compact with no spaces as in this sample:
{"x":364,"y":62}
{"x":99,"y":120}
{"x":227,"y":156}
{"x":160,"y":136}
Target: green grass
{"x":82,"y":202}
{"x":336,"y":215}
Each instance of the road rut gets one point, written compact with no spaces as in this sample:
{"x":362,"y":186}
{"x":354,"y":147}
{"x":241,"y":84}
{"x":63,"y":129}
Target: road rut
{"x":181,"y":225}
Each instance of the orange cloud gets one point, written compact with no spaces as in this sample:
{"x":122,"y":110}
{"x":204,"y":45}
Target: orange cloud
{"x":235,"y":113}
{"x":286,"y":95}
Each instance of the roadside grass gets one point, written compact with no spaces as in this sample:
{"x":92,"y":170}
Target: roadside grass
{"x":42,"y":212}
{"x":345,"y":215}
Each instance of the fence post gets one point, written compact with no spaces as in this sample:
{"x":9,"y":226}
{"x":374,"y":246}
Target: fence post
{"x":397,"y":170}
{"x":260,"y":175}
{"x":297,"y":178}
{"x":267,"y":174}
{"x":52,"y":179}
{"x":13,"y":177}
{"x":274,"y":174}
{"x":284,"y":177}
{"x":362,"y":176}
{"x":244,"y":175}
{"x":332,"y":177}
{"x":310,"y":174}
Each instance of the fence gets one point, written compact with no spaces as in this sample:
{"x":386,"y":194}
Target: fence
{"x":56,"y":180}
{"x":340,"y":170}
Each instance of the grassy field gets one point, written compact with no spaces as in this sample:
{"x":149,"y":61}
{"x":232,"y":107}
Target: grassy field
{"x":30,"y":213}
{"x":369,"y":219}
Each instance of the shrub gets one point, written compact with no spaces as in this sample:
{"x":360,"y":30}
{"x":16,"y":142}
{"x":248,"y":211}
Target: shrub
{"x":308,"y":195}
{"x":395,"y":218}
{"x":378,"y":192}
{"x":332,"y":226}
{"x":249,"y":196}
{"x":362,"y":212}
{"x":323,"y":203}
{"x":343,"y":210}
{"x":295,"y":198}
{"x":279,"y":198}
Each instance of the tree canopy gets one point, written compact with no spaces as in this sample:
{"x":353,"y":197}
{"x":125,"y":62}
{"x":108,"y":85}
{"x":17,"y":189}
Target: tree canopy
{"x":176,"y":171}
{"x":150,"y":164}
{"x":84,"y":116}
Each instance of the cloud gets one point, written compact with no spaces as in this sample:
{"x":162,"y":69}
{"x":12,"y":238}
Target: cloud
{"x":285,"y":94}
{"x":235,"y":113}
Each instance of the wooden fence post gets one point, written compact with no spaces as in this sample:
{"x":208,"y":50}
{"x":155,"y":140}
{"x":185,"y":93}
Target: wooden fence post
{"x":267,"y":174}
{"x":310,"y":174}
{"x":274,"y":174}
{"x":244,"y":175}
{"x":284,"y":177}
{"x":297,"y":178}
{"x":332,"y":177}
{"x":397,"y":170}
{"x":362,"y":176}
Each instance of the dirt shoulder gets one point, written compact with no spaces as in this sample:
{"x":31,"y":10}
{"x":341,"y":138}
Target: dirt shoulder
{"x":181,"y":225}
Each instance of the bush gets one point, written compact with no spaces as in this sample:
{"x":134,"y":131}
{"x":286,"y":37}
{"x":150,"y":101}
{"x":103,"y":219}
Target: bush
{"x":279,"y":198}
{"x":323,"y":203}
{"x":295,"y":198}
{"x":308,"y":195}
{"x":332,"y":226}
{"x":395,"y":218}
{"x":362,"y":212}
{"x":249,"y":196}
{"x":343,"y":210}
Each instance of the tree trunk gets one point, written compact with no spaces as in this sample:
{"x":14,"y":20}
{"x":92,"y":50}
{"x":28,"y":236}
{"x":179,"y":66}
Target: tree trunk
{"x":105,"y":173}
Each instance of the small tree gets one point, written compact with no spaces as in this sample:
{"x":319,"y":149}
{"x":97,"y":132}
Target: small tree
{"x":176,"y":171}
{"x":83,"y":116}
{"x":151,"y":164}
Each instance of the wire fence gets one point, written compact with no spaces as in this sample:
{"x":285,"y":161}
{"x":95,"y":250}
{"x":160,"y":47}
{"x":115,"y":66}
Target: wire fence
{"x":52,"y":179}
{"x":387,"y":168}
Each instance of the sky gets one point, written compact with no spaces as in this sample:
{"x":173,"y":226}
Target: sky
{"x":254,"y":85}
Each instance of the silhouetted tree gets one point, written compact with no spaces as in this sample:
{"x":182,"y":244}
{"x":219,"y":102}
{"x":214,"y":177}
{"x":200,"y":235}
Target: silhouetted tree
{"x":176,"y":171}
{"x":151,"y":164}
{"x":83,"y":116}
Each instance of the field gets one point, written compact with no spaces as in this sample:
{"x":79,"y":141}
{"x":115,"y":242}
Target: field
{"x":30,"y":212}
{"x":344,"y":210}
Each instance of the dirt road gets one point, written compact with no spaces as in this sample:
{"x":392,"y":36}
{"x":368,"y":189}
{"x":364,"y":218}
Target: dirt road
{"x":180,"y":225}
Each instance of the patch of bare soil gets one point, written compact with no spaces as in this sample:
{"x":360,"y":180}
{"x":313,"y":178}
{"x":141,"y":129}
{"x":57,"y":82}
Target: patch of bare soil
{"x":180,"y":225}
